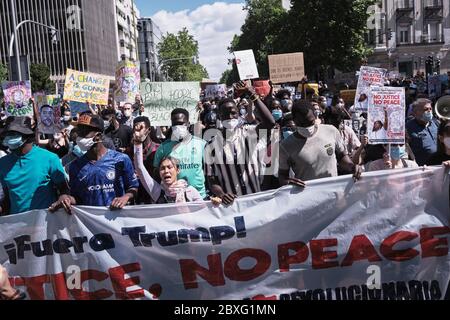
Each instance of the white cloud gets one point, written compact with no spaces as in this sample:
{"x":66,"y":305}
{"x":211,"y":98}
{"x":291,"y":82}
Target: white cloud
{"x":212,"y":25}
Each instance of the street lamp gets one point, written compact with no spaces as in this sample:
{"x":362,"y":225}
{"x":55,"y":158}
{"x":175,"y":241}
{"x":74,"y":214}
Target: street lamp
{"x":14,"y":36}
{"x":162,"y":62}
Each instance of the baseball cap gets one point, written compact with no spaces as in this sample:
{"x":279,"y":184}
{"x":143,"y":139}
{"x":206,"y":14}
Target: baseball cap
{"x":18,"y":124}
{"x":91,"y":120}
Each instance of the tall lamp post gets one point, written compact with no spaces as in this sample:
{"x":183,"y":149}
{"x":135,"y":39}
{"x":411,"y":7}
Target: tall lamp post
{"x":15,"y":35}
{"x":163,"y":62}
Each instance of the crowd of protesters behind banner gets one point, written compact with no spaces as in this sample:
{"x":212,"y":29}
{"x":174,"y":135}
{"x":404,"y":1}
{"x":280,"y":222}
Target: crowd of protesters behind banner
{"x":112,"y":156}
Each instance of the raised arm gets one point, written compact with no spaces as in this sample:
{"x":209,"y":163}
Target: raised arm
{"x":151,"y":186}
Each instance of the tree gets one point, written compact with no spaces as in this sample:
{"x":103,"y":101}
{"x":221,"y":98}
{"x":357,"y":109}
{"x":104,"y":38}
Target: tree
{"x":3,"y":73}
{"x":230,"y":76}
{"x":40,"y":79}
{"x":329,"y":33}
{"x":182,"y":45}
{"x":261,"y":28}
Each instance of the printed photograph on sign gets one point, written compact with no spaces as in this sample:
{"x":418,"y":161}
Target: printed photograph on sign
{"x":49,"y":118}
{"x":17,"y":95}
{"x":386,"y":115}
{"x":368,"y":77}
{"x":246,"y":64}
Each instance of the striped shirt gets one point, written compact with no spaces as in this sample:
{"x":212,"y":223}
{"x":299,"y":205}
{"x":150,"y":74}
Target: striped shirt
{"x":237,"y":160}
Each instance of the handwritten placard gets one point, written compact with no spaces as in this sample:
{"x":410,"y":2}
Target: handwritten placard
{"x":160,"y":98}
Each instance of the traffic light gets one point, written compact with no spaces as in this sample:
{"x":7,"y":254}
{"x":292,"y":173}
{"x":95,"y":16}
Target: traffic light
{"x":437,"y":66}
{"x":389,"y":34}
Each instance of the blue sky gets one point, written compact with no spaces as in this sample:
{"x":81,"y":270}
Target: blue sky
{"x":213,"y":23}
{"x":150,"y":7}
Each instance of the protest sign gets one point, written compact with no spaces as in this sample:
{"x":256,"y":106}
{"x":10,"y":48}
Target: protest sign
{"x":311,"y":86}
{"x":348,"y":96}
{"x":262,"y":87}
{"x":77,"y":107}
{"x":216,"y":91}
{"x":288,"y":67}
{"x":434,"y":86}
{"x":17,"y":95}
{"x":50,"y":115}
{"x":246,"y":64}
{"x":386,"y":115}
{"x":322,"y":242}
{"x":368,"y":77}
{"x":82,"y":87}
{"x":128,"y":79}
{"x":160,"y":98}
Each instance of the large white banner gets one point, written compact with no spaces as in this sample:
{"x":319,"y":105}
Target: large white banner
{"x":383,"y":237}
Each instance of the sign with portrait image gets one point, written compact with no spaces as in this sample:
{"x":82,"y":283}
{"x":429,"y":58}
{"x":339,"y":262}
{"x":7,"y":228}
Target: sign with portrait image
{"x":368,"y":77}
{"x":128,"y":78}
{"x":386,"y":115}
{"x":49,"y":112}
{"x":17,"y":98}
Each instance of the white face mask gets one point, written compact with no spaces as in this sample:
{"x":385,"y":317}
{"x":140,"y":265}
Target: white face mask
{"x":447,"y":142}
{"x":230,"y":124}
{"x":307,"y":132}
{"x":85,"y":144}
{"x":66,"y":118}
{"x":127,"y":113}
{"x":179,"y":133}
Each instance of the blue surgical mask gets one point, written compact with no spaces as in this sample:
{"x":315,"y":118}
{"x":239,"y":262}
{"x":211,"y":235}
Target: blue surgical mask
{"x":285,"y":102}
{"x":427,"y":116}
{"x":287,"y":132}
{"x":77,"y":151}
{"x":13,"y":142}
{"x":397,"y":152}
{"x":277,"y":114}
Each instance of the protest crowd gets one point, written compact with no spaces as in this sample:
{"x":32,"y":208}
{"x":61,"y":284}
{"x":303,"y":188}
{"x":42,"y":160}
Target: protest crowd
{"x":238,"y":143}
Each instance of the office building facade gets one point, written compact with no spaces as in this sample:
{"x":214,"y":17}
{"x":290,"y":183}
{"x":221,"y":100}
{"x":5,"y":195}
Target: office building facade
{"x":149,"y":37}
{"x":404,"y":33}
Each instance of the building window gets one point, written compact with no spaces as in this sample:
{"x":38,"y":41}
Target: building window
{"x":404,"y":35}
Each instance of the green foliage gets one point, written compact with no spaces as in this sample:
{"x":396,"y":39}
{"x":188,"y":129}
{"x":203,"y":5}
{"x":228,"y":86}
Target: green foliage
{"x":181,"y":45}
{"x":329,"y":33}
{"x":3,"y":73}
{"x":40,"y":79}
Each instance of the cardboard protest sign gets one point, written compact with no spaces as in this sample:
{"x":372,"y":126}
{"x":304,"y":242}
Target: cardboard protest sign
{"x":434,"y":86}
{"x":49,"y":113}
{"x":368,"y":77}
{"x":128,"y":79}
{"x":348,"y":96}
{"x":160,"y":98}
{"x":288,"y":67}
{"x":82,"y":87}
{"x":246,"y":64}
{"x":386,"y":115}
{"x":17,"y":98}
{"x":216,"y":91}
{"x":262,"y":87}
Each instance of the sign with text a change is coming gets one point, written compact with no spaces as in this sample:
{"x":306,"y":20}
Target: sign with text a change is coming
{"x":289,"y":67}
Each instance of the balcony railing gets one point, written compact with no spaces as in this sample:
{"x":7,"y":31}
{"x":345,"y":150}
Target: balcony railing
{"x":433,"y":4}
{"x":404,"y":4}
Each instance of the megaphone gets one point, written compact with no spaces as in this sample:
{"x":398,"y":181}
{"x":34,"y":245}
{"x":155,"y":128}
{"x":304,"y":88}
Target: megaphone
{"x":442,"y":107}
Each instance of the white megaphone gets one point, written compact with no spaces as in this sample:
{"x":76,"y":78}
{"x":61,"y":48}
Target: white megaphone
{"x":442,"y":107}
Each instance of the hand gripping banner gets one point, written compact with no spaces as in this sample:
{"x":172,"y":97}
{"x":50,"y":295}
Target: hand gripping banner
{"x":384,"y":237}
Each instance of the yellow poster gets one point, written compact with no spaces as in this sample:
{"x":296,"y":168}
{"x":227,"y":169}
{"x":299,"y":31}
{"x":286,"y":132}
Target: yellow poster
{"x":83,"y":87}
